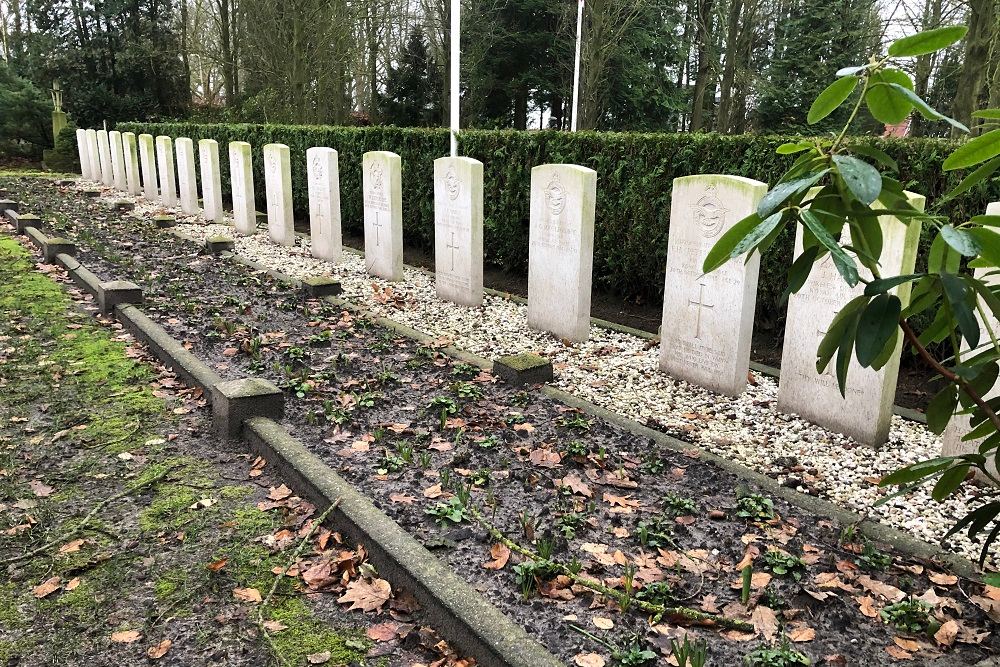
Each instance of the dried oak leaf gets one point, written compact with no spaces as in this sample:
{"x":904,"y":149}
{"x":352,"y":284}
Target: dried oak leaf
{"x":383,"y":632}
{"x":888,"y":591}
{"x":942,"y":579}
{"x":402,"y":498}
{"x":898,"y":653}
{"x":577,"y":486}
{"x":764,"y":622}
{"x":588,"y":660}
{"x":947,"y":633}
{"x":802,"y":633}
{"x":366,"y":594}
{"x":603,"y":623}
{"x":318,"y":658}
{"x":279,"y":493}
{"x":48,"y":587}
{"x":867,"y":606}
{"x":160,"y":650}
{"x":40,"y":489}
{"x":499,"y":554}
{"x":247,"y":595}
{"x":126,"y":636}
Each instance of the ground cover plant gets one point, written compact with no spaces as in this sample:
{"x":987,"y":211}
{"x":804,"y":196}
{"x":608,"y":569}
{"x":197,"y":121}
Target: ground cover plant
{"x":129,"y":534}
{"x":564,"y":521}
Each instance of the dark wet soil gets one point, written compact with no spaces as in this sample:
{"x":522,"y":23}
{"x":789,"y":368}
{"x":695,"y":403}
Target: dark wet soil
{"x":402,"y":422}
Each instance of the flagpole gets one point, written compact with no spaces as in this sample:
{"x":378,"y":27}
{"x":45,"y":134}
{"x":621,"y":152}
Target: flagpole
{"x":456,"y":40}
{"x":576,"y":67}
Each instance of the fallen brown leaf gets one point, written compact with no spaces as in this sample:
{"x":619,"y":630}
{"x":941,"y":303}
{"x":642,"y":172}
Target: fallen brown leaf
{"x":500,"y":554}
{"x":48,"y":587}
{"x":366,"y":594}
{"x":126,"y":636}
{"x":947,"y":633}
{"x":160,"y":650}
{"x":588,"y":660}
{"x":251,"y":595}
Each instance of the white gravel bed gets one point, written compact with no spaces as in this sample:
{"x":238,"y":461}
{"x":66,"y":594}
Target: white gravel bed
{"x":618,"y":371}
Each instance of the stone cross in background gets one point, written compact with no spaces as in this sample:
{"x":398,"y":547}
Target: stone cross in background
{"x":561,"y":249}
{"x":165,"y":169}
{"x":458,"y":229}
{"x":866,"y":412}
{"x":147,"y":163}
{"x":708,"y":318}
{"x":278,"y":187}
{"x":324,"y":203}
{"x":187,"y":178}
{"x":104,"y":151}
{"x":211,"y":183}
{"x":131,"y":162}
{"x":241,"y":179}
{"x":383,"y":199}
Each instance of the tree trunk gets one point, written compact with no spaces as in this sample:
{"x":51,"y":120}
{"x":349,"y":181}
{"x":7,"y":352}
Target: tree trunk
{"x":982,"y":15}
{"x":925,"y":65}
{"x":703,"y":35}
{"x":729,"y":71}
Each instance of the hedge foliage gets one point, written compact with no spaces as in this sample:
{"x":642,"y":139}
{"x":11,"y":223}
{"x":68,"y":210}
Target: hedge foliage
{"x":634,"y":176}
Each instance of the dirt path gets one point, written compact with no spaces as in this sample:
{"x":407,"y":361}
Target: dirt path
{"x":129,"y":534}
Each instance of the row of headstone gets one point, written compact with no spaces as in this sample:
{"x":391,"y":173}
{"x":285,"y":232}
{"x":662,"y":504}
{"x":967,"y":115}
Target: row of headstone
{"x":707,"y":323}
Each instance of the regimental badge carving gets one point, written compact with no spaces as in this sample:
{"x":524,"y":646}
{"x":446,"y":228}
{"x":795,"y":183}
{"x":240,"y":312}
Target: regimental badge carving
{"x":709,"y":213}
{"x":452,"y":184}
{"x":376,"y":174}
{"x":555,"y":196}
{"x":317,"y":173}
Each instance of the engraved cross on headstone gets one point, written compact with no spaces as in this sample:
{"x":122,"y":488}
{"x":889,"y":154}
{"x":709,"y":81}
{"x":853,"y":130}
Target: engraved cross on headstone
{"x":828,"y":371}
{"x":377,"y":225}
{"x":700,"y":304}
{"x":453,"y":247}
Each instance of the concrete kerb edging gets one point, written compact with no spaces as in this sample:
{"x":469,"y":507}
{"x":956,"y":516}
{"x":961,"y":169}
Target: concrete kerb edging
{"x":456,"y":609}
{"x":452,"y":605}
{"x":875,"y":530}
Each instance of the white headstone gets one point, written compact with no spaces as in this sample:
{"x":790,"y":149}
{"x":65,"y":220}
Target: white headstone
{"x":708,"y":318}
{"x":960,"y":424}
{"x":241,"y":177}
{"x":458,"y":229}
{"x":93,"y":154}
{"x":117,"y":160}
{"x":278,"y":188}
{"x":211,"y":183}
{"x":84,"y":153}
{"x":147,"y":163}
{"x":187,"y":178}
{"x":165,"y":169}
{"x":866,"y":412}
{"x":324,"y":203}
{"x":383,"y":195}
{"x":104,"y":151}
{"x":131,"y":162}
{"x":561,"y":249}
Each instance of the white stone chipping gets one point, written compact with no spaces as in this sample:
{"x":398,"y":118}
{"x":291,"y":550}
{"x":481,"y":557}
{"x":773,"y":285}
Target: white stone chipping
{"x":618,"y":371}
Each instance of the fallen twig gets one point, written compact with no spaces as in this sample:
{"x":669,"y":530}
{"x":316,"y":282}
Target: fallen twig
{"x":128,"y":491}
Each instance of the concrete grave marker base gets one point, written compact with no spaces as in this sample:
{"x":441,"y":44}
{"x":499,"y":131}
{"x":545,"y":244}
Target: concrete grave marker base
{"x":319,"y":286}
{"x":115,"y":292}
{"x":165,"y":221}
{"x":219,"y":244}
{"x":526,"y":368}
{"x":235,"y":401}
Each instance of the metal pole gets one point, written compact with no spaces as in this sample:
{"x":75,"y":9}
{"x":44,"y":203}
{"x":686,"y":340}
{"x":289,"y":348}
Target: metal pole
{"x":576,"y":67}
{"x":456,"y":40}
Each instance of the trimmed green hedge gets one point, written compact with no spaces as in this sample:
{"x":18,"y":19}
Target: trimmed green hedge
{"x":634,"y":176}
